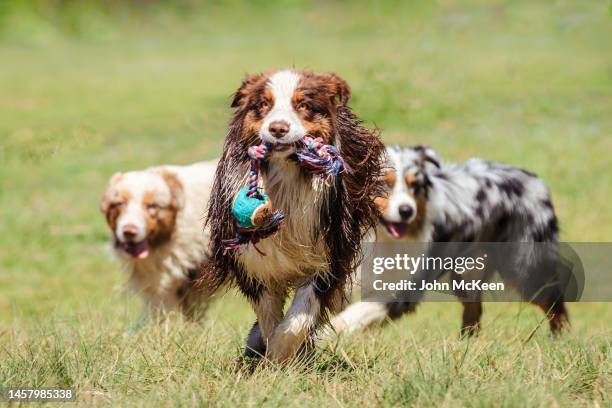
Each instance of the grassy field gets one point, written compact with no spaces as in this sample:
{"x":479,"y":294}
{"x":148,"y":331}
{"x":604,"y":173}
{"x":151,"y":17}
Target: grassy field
{"x":524,"y":82}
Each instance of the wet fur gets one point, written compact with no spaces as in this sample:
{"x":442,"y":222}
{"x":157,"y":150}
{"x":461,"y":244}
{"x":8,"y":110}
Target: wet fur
{"x":320,"y":241}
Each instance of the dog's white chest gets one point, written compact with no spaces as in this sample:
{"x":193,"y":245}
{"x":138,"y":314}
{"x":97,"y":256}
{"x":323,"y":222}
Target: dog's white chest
{"x":297,"y":250}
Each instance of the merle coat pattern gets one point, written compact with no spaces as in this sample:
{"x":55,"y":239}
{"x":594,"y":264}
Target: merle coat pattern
{"x":477,"y":201}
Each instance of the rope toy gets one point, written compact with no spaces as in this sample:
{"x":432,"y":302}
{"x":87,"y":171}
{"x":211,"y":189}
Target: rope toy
{"x":255,"y":217}
{"x":320,"y":158}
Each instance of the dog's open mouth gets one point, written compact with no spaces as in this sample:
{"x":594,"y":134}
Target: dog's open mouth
{"x":137,"y":250}
{"x":395,"y":229}
{"x":283,"y":147}
{"x":284,"y":151}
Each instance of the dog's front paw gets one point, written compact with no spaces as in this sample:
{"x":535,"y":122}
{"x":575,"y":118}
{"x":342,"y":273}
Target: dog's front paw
{"x":255,"y":345}
{"x":283,"y":347}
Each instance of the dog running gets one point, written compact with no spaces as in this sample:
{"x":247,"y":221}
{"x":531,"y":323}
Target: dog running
{"x":156,"y":221}
{"x":478,"y":201}
{"x":318,"y":246}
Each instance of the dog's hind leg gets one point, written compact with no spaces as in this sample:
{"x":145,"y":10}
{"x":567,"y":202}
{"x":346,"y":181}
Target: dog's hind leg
{"x":542,"y":285}
{"x":472,"y":308}
{"x":472,"y":312}
{"x":368,"y":313}
{"x":551,"y":301}
{"x":556,"y":314}
{"x":358,"y":316}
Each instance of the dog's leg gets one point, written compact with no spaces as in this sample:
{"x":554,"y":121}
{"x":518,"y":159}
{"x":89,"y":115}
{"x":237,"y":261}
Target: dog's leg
{"x":269,"y":311}
{"x":472,"y":311}
{"x":359,"y":316}
{"x":343,"y":297}
{"x":550,"y":297}
{"x":472,"y":308}
{"x":369,"y":312}
{"x":541,"y":285}
{"x":556,"y":313}
{"x":255,"y":345}
{"x":297,"y":327}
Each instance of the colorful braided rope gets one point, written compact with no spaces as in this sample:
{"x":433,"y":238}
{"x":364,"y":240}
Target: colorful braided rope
{"x":256,"y":154}
{"x":320,"y":158}
{"x":313,"y":155}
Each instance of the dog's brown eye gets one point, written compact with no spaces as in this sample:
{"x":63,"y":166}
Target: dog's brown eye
{"x":264,"y":105}
{"x":389,"y":178}
{"x":152,"y":207}
{"x":117,"y":204}
{"x":303,"y":106}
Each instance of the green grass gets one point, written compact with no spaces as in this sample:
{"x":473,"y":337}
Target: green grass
{"x":524,"y":82}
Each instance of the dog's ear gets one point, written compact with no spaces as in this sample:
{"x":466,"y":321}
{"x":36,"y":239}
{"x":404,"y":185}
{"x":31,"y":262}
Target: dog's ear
{"x":338,"y":88}
{"x":176,"y":188}
{"x":246,"y":88}
{"x":106,"y":197}
{"x":429,"y":155}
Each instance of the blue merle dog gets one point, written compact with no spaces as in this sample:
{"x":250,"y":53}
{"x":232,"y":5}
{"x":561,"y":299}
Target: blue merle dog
{"x":477,"y":201}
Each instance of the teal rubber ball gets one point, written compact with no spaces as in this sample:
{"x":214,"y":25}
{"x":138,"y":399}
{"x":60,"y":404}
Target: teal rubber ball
{"x":244,"y":207}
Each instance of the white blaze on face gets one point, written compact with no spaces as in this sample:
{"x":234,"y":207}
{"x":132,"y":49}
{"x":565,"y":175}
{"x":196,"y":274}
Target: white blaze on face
{"x":283,"y":85}
{"x":133,"y":214}
{"x":400,"y":195}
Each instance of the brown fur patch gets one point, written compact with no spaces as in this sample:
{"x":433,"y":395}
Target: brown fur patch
{"x":382,"y":203}
{"x":337,"y":88}
{"x":251,"y":125}
{"x":253,"y":100}
{"x":319,"y":127}
{"x":175,"y":186}
{"x":113,"y":203}
{"x":299,"y":97}
{"x":410,"y":179}
{"x":316,"y":100}
{"x":251,"y":86}
{"x":390,"y":177}
{"x":416,"y":226}
{"x":161,"y":219}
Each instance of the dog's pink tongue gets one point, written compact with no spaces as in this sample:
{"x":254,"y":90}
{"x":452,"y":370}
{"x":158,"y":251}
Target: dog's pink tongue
{"x":393,"y":231}
{"x":139,"y":250}
{"x":396,"y":229}
{"x":143,"y":254}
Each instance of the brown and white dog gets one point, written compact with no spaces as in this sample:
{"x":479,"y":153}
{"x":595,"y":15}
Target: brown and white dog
{"x":319,"y":245}
{"x":156,"y":220}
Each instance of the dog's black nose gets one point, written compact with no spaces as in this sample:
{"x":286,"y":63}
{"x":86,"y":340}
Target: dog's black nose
{"x":405,"y":211}
{"x":279,"y":128}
